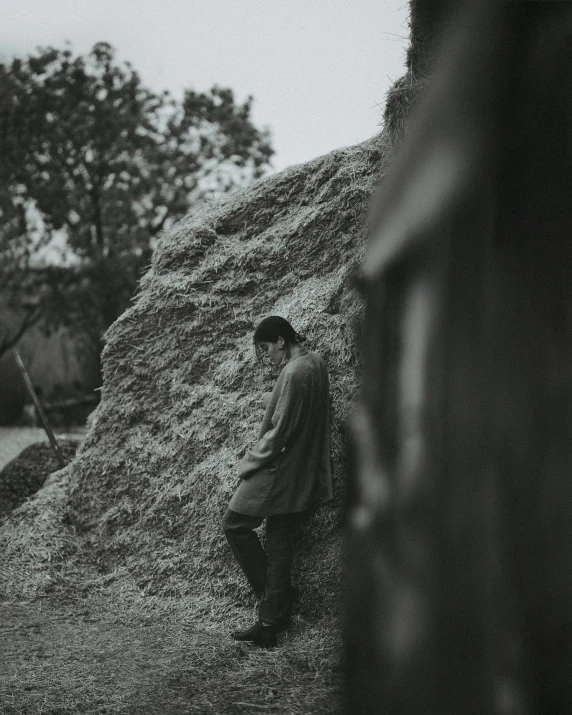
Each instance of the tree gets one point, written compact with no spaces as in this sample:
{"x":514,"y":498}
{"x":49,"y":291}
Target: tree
{"x":94,"y":161}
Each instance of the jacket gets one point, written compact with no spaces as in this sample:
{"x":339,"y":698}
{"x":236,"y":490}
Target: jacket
{"x":289,"y":469}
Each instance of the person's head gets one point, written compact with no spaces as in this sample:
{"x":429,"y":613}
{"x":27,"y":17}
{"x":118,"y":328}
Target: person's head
{"x":274,"y":338}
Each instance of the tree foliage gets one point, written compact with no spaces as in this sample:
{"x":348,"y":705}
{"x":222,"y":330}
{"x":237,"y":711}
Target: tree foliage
{"x":93,"y":161}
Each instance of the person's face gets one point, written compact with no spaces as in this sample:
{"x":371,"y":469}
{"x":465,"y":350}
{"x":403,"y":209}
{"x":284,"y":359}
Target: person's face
{"x":274,"y":351}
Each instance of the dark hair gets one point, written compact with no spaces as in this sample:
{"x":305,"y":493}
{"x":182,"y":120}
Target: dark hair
{"x":274,"y":327}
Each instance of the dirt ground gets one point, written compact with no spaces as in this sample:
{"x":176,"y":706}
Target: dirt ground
{"x":88,"y":657}
{"x":106,"y":653}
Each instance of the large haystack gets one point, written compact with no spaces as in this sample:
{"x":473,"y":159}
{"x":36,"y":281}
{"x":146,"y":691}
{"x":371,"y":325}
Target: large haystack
{"x":182,"y":389}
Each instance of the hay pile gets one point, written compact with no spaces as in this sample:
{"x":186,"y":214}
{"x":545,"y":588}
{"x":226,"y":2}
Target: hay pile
{"x":24,"y":475}
{"x":34,"y":539}
{"x":36,"y":543}
{"x":181,"y":398}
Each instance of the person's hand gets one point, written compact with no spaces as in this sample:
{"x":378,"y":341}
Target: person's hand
{"x":265,"y":399}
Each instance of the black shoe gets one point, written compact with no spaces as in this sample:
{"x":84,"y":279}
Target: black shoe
{"x":264,"y":636}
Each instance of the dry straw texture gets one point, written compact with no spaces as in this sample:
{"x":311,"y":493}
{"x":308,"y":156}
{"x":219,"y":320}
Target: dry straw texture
{"x":141,"y":504}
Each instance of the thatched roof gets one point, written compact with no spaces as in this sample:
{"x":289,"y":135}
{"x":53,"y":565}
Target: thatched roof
{"x":181,"y":395}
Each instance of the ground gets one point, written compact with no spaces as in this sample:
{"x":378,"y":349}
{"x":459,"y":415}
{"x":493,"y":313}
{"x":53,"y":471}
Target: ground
{"x":85,"y":656}
{"x":72,"y":654}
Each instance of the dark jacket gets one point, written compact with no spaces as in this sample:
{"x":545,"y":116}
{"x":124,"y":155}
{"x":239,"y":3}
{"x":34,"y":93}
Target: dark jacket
{"x":289,"y":469}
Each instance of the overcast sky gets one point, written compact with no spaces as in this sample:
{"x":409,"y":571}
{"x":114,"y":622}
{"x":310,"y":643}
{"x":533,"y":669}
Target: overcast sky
{"x":318,"y":69}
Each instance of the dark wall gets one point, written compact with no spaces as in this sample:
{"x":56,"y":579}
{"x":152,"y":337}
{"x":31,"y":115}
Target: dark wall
{"x":459,"y":560}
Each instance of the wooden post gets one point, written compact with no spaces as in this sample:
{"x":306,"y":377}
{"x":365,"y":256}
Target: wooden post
{"x":458,"y":565}
{"x":46,"y":426}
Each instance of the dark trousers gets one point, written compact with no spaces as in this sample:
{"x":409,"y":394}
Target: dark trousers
{"x":268,"y":573}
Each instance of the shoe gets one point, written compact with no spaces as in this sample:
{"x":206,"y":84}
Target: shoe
{"x":264,"y":636}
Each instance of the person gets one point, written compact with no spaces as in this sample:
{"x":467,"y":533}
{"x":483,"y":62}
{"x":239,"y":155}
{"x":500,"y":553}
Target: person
{"x":286,"y":474}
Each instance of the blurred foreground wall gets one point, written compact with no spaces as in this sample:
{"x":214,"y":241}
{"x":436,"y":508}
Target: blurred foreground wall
{"x":459,"y":555}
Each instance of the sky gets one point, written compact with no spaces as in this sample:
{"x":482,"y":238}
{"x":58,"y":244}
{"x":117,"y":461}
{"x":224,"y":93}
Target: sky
{"x":318,"y":69}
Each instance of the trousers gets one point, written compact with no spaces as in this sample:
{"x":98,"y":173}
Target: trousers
{"x":268,"y":573}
